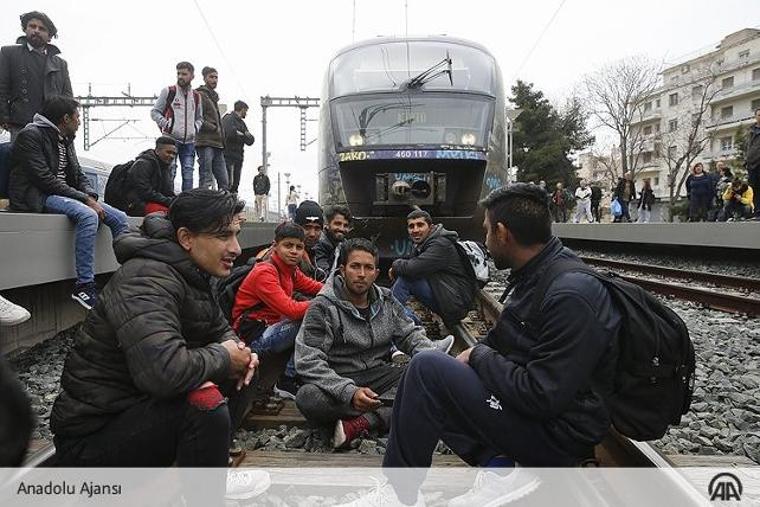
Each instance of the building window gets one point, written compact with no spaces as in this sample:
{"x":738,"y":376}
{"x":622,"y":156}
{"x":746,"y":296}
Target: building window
{"x":647,"y":106}
{"x":658,"y":150}
{"x":673,"y":99}
{"x":755,"y":74}
{"x":744,"y":55}
{"x":648,"y":130}
{"x":656,"y":181}
{"x":657,"y":101}
{"x":657,"y":128}
{"x":696,"y":92}
{"x":727,"y":82}
{"x":672,"y":152}
{"x":754,"y":105}
{"x":726,"y":143}
{"x":672,"y":125}
{"x":726,"y":112}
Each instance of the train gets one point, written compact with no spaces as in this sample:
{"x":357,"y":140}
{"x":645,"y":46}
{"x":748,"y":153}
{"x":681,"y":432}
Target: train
{"x":412,"y":121}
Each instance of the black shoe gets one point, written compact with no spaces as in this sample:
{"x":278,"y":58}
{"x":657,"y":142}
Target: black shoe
{"x":287,"y":387}
{"x":85,"y":295}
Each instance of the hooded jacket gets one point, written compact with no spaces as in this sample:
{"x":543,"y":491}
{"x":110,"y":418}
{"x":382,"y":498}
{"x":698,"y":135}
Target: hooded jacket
{"x":324,"y":252}
{"x":34,"y":168}
{"x":746,"y":195}
{"x":182,"y":118}
{"x":27,"y":79}
{"x":438,"y":261}
{"x":558,"y":371}
{"x":236,"y":135}
{"x":211,"y":133}
{"x":155,"y":332}
{"x":335,"y":340}
{"x":148,"y":180}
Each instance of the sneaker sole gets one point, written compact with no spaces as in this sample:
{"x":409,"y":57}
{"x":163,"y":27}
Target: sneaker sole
{"x":81,"y":301}
{"x":520,"y":492}
{"x":16,"y":321}
{"x":259,"y":489}
{"x":283,"y":393}
{"x":339,"y":436}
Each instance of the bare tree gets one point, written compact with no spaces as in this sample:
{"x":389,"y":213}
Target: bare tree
{"x":687,"y":138}
{"x":608,"y":159}
{"x":616,"y":95}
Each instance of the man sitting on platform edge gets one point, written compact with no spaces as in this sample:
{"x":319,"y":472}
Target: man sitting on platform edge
{"x":342,"y":349}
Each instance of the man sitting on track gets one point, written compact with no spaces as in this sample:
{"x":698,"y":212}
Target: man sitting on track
{"x":435,"y":274}
{"x":149,"y":184}
{"x":342,"y":348}
{"x":524,"y":393}
{"x":140,"y":386}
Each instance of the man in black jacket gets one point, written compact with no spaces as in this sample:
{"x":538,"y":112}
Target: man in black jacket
{"x":236,"y":135}
{"x":338,"y":224}
{"x":530,"y":391}
{"x":149,"y":185}
{"x":46,"y":178}
{"x":435,"y":274}
{"x":261,"y":186}
{"x":30,"y":72}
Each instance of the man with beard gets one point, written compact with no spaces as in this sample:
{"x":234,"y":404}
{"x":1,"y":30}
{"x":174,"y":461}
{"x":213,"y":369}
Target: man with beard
{"x":178,"y":114}
{"x":338,"y":224}
{"x":310,"y":216}
{"x":156,"y":376}
{"x":30,"y":72}
{"x":528,"y":393}
{"x":209,"y":142}
{"x":436,"y":274}
{"x":148,"y":186}
{"x":342,"y":347}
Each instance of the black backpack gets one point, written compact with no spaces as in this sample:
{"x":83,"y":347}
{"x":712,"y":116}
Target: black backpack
{"x":226,"y":288}
{"x":654,"y":376}
{"x":116,"y":187}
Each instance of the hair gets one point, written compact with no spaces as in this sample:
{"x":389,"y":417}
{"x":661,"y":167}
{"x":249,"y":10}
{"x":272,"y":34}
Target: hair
{"x":240,"y":105}
{"x":420,"y":213}
{"x":201,"y":210}
{"x":288,"y":230}
{"x":337,"y":209}
{"x":164,"y":140}
{"x":292,"y":187}
{"x":58,"y":106}
{"x":524,"y":209}
{"x":186,"y":65}
{"x":260,"y":168}
{"x":208,"y":70}
{"x":28,"y":16}
{"x":353,"y":244}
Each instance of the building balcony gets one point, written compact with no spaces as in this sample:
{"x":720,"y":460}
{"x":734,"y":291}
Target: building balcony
{"x":737,"y":91}
{"x":731,"y":122}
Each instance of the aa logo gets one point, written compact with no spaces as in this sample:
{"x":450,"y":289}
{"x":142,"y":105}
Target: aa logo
{"x":724,"y":487}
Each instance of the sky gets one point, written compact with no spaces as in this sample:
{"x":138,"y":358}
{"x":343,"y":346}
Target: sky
{"x":283,"y":48}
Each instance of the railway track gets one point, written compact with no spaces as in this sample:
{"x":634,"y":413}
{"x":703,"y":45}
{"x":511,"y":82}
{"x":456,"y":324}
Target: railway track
{"x":715,"y":297}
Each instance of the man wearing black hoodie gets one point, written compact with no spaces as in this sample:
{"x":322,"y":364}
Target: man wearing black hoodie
{"x":209,"y":143}
{"x":435,"y":274}
{"x":149,"y":185}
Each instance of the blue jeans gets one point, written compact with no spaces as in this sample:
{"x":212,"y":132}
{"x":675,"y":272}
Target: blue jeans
{"x":186,"y":156}
{"x":404,"y":287}
{"x":86,"y":230}
{"x":277,"y":338}
{"x":211,"y":160}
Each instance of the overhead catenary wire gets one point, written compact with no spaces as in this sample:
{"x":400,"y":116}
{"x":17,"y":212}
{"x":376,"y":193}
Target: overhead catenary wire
{"x":540,"y":36}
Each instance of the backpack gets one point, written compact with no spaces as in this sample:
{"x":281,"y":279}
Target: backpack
{"x":477,"y":256}
{"x":168,"y":111}
{"x":226,"y":288}
{"x":654,"y":375}
{"x":116,"y":186}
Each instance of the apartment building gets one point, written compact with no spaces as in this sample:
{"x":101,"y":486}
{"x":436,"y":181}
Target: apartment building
{"x":731,"y":73}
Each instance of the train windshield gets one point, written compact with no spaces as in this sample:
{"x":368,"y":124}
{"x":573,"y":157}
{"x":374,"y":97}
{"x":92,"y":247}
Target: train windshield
{"x":386,"y":66}
{"x":413,"y":119}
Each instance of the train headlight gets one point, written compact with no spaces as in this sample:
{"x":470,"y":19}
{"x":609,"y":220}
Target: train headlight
{"x":468,"y":139}
{"x":356,"y":140}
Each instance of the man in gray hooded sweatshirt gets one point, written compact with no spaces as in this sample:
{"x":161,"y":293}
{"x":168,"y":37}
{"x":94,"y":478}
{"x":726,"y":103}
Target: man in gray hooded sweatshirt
{"x":342,"y":349}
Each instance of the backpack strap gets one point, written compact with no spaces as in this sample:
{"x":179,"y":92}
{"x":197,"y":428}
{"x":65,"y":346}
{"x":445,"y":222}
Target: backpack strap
{"x":552,"y":272}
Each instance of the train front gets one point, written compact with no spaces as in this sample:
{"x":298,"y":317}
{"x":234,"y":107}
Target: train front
{"x":411,"y":122}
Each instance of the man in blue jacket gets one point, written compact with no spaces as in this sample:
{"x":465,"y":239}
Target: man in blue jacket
{"x":530,"y":391}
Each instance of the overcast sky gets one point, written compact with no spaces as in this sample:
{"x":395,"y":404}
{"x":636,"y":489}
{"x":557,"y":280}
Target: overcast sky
{"x":282,"y":48}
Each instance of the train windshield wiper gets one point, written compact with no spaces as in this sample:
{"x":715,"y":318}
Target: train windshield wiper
{"x":440,"y":68}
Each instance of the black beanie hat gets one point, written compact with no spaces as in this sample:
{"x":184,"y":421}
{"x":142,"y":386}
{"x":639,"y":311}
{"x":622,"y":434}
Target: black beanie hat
{"x":309,"y":212}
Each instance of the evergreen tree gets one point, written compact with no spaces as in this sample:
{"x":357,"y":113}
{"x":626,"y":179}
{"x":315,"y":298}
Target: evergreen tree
{"x":544,"y":137}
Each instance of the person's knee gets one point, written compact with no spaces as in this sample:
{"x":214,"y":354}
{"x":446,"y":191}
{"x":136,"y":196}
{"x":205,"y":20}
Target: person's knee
{"x":429,"y":366}
{"x":308,"y":402}
{"x":87,"y":217}
{"x":208,"y":408}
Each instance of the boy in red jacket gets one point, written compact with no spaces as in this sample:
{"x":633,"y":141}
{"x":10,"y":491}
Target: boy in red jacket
{"x":265,"y":315}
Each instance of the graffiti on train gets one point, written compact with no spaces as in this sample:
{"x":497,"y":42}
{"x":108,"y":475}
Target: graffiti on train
{"x":402,"y":247}
{"x":494,"y":182}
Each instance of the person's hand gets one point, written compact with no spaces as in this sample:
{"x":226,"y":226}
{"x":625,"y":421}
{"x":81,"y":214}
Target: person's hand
{"x":252,"y":365}
{"x":365,"y":400}
{"x":464,"y":356}
{"x":240,"y":358}
{"x":95,"y":205}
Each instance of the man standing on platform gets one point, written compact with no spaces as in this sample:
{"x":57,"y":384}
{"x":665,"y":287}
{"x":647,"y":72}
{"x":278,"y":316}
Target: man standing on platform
{"x":261,"y":187}
{"x":236,"y":135}
{"x":210,"y":141}
{"x":752,"y":158}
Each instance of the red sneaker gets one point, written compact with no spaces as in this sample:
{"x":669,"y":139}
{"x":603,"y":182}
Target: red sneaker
{"x":347,"y":430}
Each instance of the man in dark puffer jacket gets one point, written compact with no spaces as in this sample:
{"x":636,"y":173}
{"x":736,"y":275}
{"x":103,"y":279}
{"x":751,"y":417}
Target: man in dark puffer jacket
{"x":140,"y":385}
{"x":149,"y":184}
{"x":435,"y":274}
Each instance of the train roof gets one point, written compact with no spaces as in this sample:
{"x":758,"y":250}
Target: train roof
{"x":429,"y":38}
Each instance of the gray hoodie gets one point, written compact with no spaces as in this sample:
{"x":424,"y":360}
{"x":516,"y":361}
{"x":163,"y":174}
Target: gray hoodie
{"x":335,"y":339}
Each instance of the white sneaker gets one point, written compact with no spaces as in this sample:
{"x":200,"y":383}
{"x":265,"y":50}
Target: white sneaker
{"x":244,"y":484}
{"x":490,"y":489}
{"x":12,"y":314}
{"x":445,"y":344}
{"x":384,"y":495}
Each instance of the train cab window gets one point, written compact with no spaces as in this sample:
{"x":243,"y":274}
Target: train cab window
{"x":386,"y":66}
